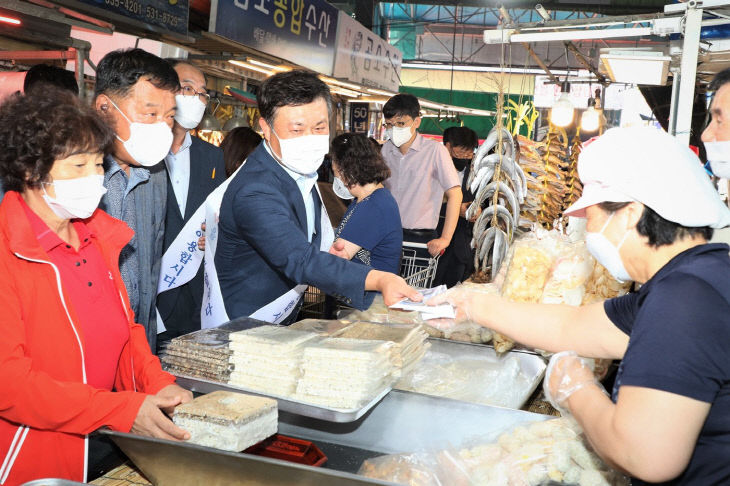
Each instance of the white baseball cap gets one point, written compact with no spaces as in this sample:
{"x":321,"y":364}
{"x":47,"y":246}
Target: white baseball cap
{"x":652,"y":167}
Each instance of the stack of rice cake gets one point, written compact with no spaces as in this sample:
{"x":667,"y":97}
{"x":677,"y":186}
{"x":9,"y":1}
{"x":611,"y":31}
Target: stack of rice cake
{"x":228,"y":421}
{"x":202,"y":354}
{"x":345,"y":373}
{"x":409,"y":340}
{"x":323,"y":327}
{"x":267,"y":359}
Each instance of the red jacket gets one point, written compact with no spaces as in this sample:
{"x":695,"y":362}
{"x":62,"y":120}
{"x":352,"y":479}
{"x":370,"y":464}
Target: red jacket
{"x":46,"y":409}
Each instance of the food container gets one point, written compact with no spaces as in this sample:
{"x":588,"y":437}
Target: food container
{"x":289,"y":449}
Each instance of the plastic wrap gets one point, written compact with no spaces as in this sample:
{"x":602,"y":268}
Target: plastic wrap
{"x":469,"y":379}
{"x":534,"y":454}
{"x":323,"y":327}
{"x":570,"y":272}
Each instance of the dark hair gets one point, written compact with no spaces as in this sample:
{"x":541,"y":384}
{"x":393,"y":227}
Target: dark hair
{"x":119,"y":70}
{"x":402,"y":104}
{"x":45,"y":74}
{"x":720,"y":80}
{"x":291,"y":88}
{"x":38,"y":130}
{"x":357,"y":160}
{"x":461,"y":137}
{"x":658,"y":230}
{"x":237,"y":145}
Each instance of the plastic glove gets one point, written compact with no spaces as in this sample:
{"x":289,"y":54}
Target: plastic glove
{"x":566,"y":374}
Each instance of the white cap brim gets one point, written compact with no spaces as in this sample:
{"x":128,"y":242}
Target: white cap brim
{"x":594,"y":193}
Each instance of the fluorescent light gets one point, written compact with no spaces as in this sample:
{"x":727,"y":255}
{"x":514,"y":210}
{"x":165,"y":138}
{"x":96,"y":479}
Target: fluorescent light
{"x":246,"y":65}
{"x":430,"y":104}
{"x":346,"y":92}
{"x":380,"y":92}
{"x":637,"y":69}
{"x":342,"y":83}
{"x":583,"y":34}
{"x":482,"y":69}
{"x":9,"y":20}
{"x":267,"y":65}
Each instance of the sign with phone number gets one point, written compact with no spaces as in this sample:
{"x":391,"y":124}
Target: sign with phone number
{"x":170,"y":15}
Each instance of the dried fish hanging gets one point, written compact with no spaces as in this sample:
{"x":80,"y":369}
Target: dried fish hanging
{"x":575,"y":187}
{"x":547,"y":168}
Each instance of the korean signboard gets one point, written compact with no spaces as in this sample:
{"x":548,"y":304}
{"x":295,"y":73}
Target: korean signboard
{"x":170,"y":15}
{"x":300,"y":31}
{"x":365,"y":58}
{"x":359,"y":117}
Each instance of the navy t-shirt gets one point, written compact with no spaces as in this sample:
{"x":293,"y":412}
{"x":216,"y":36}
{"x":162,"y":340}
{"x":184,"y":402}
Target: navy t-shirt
{"x":374,"y":225}
{"x":679,"y":328}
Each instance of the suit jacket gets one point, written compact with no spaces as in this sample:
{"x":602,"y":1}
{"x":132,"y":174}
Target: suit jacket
{"x":263,"y":250}
{"x":207,"y":171}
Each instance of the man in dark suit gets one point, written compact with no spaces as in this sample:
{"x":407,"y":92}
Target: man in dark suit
{"x":456,"y":264}
{"x":269,"y":231}
{"x":194,"y":169}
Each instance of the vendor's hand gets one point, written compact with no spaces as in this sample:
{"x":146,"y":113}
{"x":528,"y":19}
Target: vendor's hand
{"x":463,"y":300}
{"x":437,"y":246}
{"x":338,"y":249}
{"x":201,"y":240}
{"x":177,"y":392}
{"x":566,"y":374}
{"x":151,"y":422}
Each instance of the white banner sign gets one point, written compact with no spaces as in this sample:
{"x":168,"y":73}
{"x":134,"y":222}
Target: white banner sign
{"x":363,"y":57}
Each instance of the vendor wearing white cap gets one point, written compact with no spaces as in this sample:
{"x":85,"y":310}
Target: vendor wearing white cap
{"x":650,"y":211}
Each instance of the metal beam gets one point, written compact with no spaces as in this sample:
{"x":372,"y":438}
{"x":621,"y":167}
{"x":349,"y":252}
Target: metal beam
{"x":539,"y":62}
{"x":581,"y":59}
{"x":688,"y":73}
{"x":37,"y":55}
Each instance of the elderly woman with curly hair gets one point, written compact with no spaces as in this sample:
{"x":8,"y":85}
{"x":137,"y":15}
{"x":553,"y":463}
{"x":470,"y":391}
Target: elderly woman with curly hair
{"x":370,"y":232}
{"x":72,"y":358}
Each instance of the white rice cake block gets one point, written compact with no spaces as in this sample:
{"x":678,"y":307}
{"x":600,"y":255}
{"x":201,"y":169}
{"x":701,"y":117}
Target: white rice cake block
{"x":258,"y":365}
{"x":269,"y":340}
{"x":228,"y":421}
{"x":283,"y":386}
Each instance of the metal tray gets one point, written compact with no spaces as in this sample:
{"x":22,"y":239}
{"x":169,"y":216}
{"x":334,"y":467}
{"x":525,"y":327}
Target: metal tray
{"x":52,"y":482}
{"x":169,"y":463}
{"x":202,"y":385}
{"x":476,"y":362}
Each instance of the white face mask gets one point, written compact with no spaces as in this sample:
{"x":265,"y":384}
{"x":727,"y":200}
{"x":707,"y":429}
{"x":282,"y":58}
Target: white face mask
{"x":388,"y":135}
{"x":304,"y":154}
{"x":608,"y":255}
{"x":148,"y":143}
{"x":341,"y":189}
{"x":401,"y":135}
{"x":718,"y":153}
{"x":75,"y":198}
{"x":190,"y":111}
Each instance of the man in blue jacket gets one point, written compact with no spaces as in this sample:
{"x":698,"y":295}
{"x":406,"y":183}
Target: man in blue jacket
{"x":270,"y":234}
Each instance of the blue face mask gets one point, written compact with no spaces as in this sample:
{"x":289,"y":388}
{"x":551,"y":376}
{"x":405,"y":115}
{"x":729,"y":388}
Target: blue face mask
{"x":608,"y":255}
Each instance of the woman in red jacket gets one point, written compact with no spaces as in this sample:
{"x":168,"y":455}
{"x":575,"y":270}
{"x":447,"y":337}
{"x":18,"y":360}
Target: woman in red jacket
{"x":72,"y":358}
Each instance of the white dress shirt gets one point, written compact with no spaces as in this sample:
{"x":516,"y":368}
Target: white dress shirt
{"x":178,"y":166}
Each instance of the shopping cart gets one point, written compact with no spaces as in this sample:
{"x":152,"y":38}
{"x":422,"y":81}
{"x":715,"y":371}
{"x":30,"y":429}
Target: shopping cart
{"x":417,"y":270}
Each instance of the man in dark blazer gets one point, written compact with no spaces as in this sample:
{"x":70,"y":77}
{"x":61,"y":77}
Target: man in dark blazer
{"x":457,"y":262}
{"x":269,"y":230}
{"x":194,"y":169}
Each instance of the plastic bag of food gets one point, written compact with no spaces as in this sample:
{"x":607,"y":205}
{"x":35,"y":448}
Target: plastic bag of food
{"x":529,"y":454}
{"x":530,"y":264}
{"x":601,"y":286}
{"x":443,"y":468}
{"x":569,"y":274}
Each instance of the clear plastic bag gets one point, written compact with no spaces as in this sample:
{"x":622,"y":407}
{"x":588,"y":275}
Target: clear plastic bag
{"x":531,"y":454}
{"x":569,"y":274}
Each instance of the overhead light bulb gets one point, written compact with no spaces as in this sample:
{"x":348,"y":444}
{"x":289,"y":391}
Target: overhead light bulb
{"x":561,"y":114}
{"x":590,"y":120}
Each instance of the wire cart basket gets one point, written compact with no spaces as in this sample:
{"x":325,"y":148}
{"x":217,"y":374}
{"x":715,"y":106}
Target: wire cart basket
{"x":418,"y":271}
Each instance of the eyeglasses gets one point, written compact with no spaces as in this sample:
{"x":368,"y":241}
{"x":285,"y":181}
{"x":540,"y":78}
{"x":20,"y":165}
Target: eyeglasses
{"x":189,"y":91}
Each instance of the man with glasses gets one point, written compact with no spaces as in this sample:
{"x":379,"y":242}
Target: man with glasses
{"x":194,"y":169}
{"x":422,"y":174}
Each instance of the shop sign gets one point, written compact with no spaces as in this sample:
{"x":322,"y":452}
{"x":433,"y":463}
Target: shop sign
{"x":171,"y":15}
{"x":363,"y":57}
{"x":300,"y":31}
{"x":359,"y":117}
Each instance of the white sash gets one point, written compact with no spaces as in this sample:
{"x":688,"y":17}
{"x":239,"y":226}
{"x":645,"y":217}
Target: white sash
{"x":213,"y":312}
